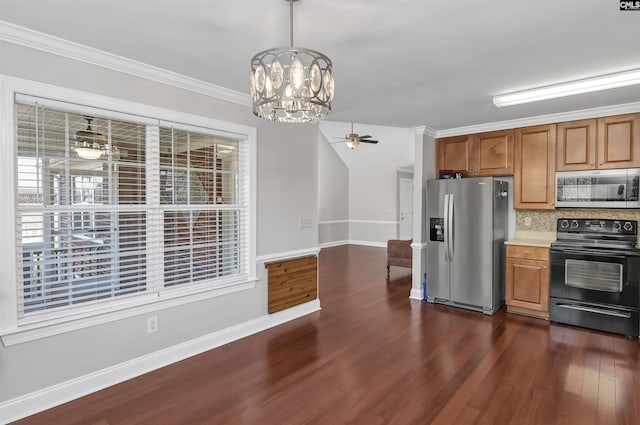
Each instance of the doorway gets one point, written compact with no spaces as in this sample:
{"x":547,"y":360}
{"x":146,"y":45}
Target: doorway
{"x":405,"y":208}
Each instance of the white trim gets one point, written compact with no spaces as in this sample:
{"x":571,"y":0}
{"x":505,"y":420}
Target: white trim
{"x":14,"y":85}
{"x":39,"y":330}
{"x":55,"y":395}
{"x":543,"y":119}
{"x":334,"y":243}
{"x":419,"y":245}
{"x":287,"y":254}
{"x":416,"y":294}
{"x":425,"y":130}
{"x":36,"y":40}
{"x":368,"y":243}
{"x":373,"y":222}
{"x":334,"y":221}
{"x":359,"y":221}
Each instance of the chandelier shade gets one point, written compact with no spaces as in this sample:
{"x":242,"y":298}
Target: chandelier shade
{"x":291,"y":84}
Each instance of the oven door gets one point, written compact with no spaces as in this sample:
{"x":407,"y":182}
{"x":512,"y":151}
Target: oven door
{"x":595,"y":276}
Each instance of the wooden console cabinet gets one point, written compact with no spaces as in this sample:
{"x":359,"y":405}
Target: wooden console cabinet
{"x":527,"y":282}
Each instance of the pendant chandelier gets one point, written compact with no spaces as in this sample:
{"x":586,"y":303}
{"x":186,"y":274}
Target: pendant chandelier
{"x":291,"y":84}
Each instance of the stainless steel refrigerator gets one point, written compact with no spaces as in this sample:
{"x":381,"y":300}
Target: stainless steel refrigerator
{"x":465,"y":248}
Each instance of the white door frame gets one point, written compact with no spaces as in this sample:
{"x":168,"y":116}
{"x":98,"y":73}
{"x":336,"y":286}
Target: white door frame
{"x":405,"y":208}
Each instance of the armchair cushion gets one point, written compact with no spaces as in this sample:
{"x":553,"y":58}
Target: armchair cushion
{"x":399,"y":253}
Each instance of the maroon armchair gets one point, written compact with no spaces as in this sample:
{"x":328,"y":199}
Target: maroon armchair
{"x":399,"y":253}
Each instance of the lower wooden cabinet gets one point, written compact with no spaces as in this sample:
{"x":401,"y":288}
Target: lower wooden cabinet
{"x":527,"y":284}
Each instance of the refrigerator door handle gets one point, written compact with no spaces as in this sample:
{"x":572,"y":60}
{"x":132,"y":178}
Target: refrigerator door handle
{"x":450,"y":228}
{"x":446,"y":227}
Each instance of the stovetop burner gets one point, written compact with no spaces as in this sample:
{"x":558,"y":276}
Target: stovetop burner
{"x":600,"y":234}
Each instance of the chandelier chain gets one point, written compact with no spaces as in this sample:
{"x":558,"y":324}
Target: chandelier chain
{"x":291,"y":23}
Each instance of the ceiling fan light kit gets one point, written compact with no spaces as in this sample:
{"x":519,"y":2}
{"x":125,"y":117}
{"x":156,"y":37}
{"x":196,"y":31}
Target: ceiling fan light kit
{"x":90,"y":144}
{"x":352,"y":140}
{"x":291,"y":84}
{"x":603,"y":82}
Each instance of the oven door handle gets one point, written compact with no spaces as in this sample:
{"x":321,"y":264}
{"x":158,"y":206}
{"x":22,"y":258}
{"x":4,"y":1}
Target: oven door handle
{"x":605,"y":311}
{"x":587,"y":252}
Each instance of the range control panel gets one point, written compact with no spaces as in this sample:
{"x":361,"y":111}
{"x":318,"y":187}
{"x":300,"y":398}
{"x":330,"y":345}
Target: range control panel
{"x":601,"y":226}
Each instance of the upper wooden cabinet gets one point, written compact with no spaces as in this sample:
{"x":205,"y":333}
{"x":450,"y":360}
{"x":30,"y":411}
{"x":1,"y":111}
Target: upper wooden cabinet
{"x":577,"y":145}
{"x":603,"y":143}
{"x":535,"y":160}
{"x":483,"y":154}
{"x":454,"y":153}
{"x":493,"y":153}
{"x":619,"y":141}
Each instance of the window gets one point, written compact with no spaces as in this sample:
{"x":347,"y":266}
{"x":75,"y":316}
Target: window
{"x":200,"y":172}
{"x":154,"y":208}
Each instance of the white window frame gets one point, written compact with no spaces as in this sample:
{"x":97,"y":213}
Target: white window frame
{"x":11,"y":331}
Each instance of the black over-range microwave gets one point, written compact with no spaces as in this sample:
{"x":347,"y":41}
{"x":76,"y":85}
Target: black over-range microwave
{"x":598,"y":188}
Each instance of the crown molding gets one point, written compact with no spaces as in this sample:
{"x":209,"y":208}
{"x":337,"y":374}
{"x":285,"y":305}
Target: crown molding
{"x":604,"y":111}
{"x":426,"y":131}
{"x":47,"y":43}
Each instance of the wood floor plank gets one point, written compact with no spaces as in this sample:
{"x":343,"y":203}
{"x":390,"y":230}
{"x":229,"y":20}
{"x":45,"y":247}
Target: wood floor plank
{"x":374,"y":356}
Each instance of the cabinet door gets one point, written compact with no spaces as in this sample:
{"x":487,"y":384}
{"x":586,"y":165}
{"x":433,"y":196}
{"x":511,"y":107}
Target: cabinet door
{"x":534,"y":168}
{"x":527,"y":284}
{"x":577,"y":145}
{"x":493,"y":153}
{"x":619,"y":141}
{"x":454,"y":153}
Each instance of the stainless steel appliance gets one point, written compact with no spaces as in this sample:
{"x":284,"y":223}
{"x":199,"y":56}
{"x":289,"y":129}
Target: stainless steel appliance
{"x":598,"y":189}
{"x":465,"y":250}
{"x":595,"y":274}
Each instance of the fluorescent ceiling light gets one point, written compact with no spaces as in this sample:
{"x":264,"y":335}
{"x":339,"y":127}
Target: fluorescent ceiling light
{"x":603,"y":82}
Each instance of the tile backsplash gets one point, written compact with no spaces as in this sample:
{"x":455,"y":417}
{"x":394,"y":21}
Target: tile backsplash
{"x":545,"y":221}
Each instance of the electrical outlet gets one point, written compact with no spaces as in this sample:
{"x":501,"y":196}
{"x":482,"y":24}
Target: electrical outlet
{"x":152,"y":324}
{"x":527,"y":221}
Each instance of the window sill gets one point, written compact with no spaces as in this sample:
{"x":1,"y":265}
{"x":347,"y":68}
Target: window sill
{"x":144,"y":305}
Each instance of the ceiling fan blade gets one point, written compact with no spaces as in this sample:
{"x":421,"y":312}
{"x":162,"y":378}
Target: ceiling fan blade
{"x":369,"y":141}
{"x":365,"y":136}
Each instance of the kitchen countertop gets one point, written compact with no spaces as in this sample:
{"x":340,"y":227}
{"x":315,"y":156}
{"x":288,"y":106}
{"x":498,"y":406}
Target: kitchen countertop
{"x":531,"y":238}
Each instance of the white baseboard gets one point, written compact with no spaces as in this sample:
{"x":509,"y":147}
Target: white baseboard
{"x":368,"y":243}
{"x":353,"y":242}
{"x":333,"y":243}
{"x":416,"y":294}
{"x":55,"y":395}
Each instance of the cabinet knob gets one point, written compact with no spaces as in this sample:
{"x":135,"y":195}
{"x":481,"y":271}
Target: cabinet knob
{"x":592,"y":164}
{"x":601,"y":163}
{"x":544,"y":267}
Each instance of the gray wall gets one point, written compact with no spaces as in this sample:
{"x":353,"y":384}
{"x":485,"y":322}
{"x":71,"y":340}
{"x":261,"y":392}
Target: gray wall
{"x":287,"y":160}
{"x":372,"y":176}
{"x":333,"y":195}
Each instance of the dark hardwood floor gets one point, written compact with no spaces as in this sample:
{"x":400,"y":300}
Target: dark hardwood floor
{"x":373,"y":356}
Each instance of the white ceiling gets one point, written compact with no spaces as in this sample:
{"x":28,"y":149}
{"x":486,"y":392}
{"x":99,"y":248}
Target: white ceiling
{"x":402,"y":63}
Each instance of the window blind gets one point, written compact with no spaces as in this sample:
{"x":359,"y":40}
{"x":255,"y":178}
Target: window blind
{"x":199,"y":194}
{"x":155,"y":208}
{"x":80,"y":227}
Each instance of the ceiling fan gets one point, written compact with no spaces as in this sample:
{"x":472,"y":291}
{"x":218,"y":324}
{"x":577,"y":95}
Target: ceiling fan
{"x":352,"y":140}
